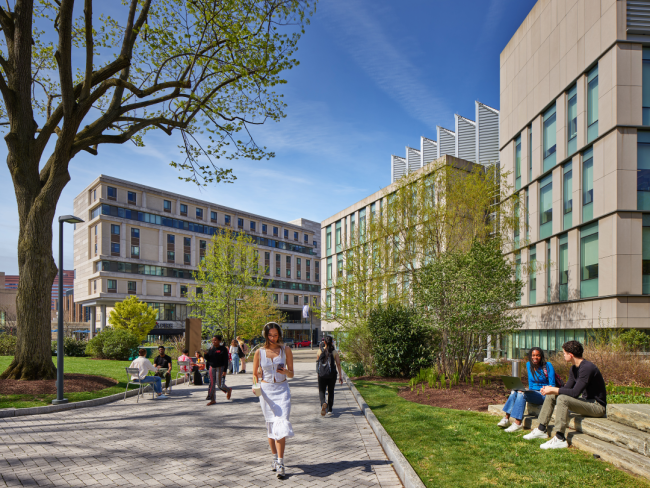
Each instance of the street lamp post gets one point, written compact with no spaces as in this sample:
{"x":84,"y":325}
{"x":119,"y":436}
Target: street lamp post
{"x":70,"y":219}
{"x":235,"y":332}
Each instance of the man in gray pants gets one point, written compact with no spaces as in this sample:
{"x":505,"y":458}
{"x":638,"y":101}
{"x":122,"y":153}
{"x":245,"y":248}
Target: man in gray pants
{"x":584,"y":379}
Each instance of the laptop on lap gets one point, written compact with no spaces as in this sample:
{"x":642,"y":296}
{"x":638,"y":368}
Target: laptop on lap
{"x":514,"y":383}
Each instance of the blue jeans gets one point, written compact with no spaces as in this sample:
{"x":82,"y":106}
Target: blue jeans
{"x":235,"y":364}
{"x":157,"y":385}
{"x":516,"y":403}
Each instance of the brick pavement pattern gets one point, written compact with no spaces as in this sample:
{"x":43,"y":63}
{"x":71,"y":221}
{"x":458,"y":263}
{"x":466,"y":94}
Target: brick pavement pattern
{"x":182,"y":442}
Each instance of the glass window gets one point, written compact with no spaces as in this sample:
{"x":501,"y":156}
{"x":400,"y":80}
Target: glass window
{"x":112,"y":285}
{"x":587,"y":185}
{"x":253,"y":226}
{"x":94,"y":195}
{"x":132,"y":198}
{"x":646,"y":86}
{"x":295,"y":236}
{"x":183,"y":209}
{"x":199,"y":213}
{"x":527,"y":210}
{"x":115,"y":248}
{"x":132,"y":287}
{"x":111,"y":192}
{"x":286,"y":234}
{"x":171,"y":256}
{"x":530,"y":153}
{"x":589,"y":261}
{"x":549,"y":139}
{"x":352,"y":235}
{"x":213,"y":216}
{"x":592,"y":104}
{"x":199,"y":290}
{"x":329,"y":271}
{"x":518,"y":272}
{"x":183,"y":290}
{"x":572,"y":120}
{"x":286,"y":299}
{"x":338,"y":236}
{"x":546,"y":207}
{"x":643,"y":170}
{"x":339,"y":266}
{"x":646,"y":254}
{"x":306,"y":239}
{"x":135,"y":233}
{"x":518,"y":162}
{"x":167,"y":289}
{"x":227,"y":219}
{"x":167,"y":206}
{"x":567,"y":196}
{"x":135,"y":252}
{"x":517,"y":222}
{"x":115,"y":230}
{"x":315,"y":244}
{"x":275,"y":231}
{"x":328,"y":239}
{"x":264,"y":228}
{"x":564,"y":267}
{"x":548,"y":272}
{"x":362,"y":223}
{"x":240,"y":223}
{"x":171,"y":239}
{"x":532,"y":277}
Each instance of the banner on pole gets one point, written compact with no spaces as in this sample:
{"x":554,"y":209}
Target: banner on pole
{"x":305,"y":311}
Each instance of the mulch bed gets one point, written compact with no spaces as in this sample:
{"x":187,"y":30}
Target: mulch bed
{"x":72,"y":383}
{"x":462,"y":397}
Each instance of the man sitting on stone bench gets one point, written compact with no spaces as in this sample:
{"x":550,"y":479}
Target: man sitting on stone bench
{"x":585,"y":379}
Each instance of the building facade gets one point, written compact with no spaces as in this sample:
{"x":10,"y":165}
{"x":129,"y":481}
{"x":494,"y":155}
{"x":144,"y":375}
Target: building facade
{"x":575,"y":135}
{"x":11,"y":282}
{"x":138,"y":240}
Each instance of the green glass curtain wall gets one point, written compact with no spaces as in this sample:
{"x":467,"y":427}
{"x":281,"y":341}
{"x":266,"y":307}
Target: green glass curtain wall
{"x":527,"y":210}
{"x":646,"y":86}
{"x":563,"y":242}
{"x":328,"y":239}
{"x":546,"y":207}
{"x":518,"y":163}
{"x":329,"y":271}
{"x":646,"y":254}
{"x":337,"y":234}
{"x":517,"y":225}
{"x":589,"y":261}
{"x":592,"y":105}
{"x":548,"y":272}
{"x":572,"y":120}
{"x":518,"y":272}
{"x":567,"y":196}
{"x":588,"y":185}
{"x":643,"y":170}
{"x":532,"y":277}
{"x":530,"y":153}
{"x":549,"y":139}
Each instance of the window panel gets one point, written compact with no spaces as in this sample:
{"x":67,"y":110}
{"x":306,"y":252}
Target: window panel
{"x":518,"y":163}
{"x":646,"y":86}
{"x":587,"y":185}
{"x":546,"y":207}
{"x":646,"y":254}
{"x":643,"y":170}
{"x":567,"y":196}
{"x":549,"y":135}
{"x":572,"y":120}
{"x":592,"y":105}
{"x":589,"y":261}
{"x":564,"y":267}
{"x":532,"y":277}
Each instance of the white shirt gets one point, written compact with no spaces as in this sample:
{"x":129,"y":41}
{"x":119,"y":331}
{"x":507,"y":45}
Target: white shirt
{"x":143,"y":365}
{"x":233,"y":350}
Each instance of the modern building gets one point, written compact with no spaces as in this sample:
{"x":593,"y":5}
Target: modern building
{"x":72,"y":312}
{"x":476,"y":141}
{"x":7,"y":304}
{"x":138,"y":240}
{"x":575,"y":135}
{"x":11,"y":282}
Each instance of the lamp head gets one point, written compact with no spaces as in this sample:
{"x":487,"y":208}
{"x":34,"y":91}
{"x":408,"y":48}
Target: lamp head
{"x":70,"y":219}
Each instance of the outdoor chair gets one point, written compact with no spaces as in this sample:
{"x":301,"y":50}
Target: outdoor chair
{"x":186,"y":374}
{"x":136,"y":372}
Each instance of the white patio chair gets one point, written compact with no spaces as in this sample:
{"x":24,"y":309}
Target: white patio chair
{"x":180,"y":373}
{"x":136,"y":372}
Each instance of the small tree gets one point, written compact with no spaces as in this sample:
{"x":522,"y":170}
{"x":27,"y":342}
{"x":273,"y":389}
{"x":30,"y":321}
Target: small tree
{"x":133,"y":315}
{"x":466,"y":296}
{"x":230,"y":271}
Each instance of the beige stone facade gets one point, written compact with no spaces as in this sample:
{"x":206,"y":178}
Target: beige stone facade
{"x":583,"y":48}
{"x":143,"y":241}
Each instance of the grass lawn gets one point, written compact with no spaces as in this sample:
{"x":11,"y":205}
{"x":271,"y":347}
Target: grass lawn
{"x":450,"y":448}
{"x":110,"y":369}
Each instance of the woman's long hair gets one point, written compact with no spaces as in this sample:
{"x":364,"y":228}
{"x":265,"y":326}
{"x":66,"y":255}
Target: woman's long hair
{"x":328,"y":343}
{"x":265,"y":333}
{"x":536,"y":368}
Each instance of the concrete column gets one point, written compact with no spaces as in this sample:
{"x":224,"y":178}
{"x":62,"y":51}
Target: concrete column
{"x":93,"y":321}
{"x":103,"y":316}
{"x":177,"y":286}
{"x":161,"y":244}
{"x":123,"y":241}
{"x":144,"y":287}
{"x":143,"y":201}
{"x":178,"y":206}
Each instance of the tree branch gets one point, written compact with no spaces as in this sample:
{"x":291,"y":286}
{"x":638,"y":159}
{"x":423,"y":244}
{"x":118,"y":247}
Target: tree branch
{"x":88,"y":16}
{"x":64,"y":57}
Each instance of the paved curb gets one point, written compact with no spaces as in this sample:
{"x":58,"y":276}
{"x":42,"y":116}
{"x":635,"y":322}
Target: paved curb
{"x":402,"y":467}
{"x":20,"y":412}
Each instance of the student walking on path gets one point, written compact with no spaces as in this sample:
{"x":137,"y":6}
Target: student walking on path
{"x":276,"y":362}
{"x":328,"y":363}
{"x":217,"y":360}
{"x":245,"y":350}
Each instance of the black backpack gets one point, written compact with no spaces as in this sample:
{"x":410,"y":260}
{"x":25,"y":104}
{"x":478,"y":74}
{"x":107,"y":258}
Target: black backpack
{"x":240,"y":353}
{"x":324,"y":364}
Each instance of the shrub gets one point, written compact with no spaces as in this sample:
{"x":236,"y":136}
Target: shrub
{"x":401,"y":344}
{"x":633,"y":340}
{"x":112,"y":344}
{"x":7,"y":345}
{"x":71,"y":347}
{"x":356,"y":346}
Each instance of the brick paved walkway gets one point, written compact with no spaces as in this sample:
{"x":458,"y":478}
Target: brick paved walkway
{"x":181,"y":442}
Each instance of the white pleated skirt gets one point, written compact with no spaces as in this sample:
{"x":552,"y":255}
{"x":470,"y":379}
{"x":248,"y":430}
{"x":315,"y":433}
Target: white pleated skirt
{"x":276,"y":407}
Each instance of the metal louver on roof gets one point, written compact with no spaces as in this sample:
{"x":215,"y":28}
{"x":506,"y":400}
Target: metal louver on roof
{"x":638,"y":17}
{"x":413,"y":159}
{"x":446,"y":142}
{"x":465,"y":138}
{"x":428,"y":150}
{"x":398,"y":168}
{"x":487,"y":134}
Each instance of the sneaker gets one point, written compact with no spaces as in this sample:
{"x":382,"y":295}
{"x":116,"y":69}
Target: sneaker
{"x":323,"y":410}
{"x":162,"y":397}
{"x":504,"y":422}
{"x":274,"y":465}
{"x":555,"y":443}
{"x":279,"y":470}
{"x":228,"y":394}
{"x":536,"y":434}
{"x":514,"y":428}
{"x":329,"y":414}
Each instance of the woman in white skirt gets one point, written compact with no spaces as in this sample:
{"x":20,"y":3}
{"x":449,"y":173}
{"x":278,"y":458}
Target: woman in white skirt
{"x":276,"y":362}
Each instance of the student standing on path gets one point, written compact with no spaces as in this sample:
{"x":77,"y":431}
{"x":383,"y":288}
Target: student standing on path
{"x":244,"y":348}
{"x":217,"y":360}
{"x":234,"y":354}
{"x":327,"y":363}
{"x":276,"y":362}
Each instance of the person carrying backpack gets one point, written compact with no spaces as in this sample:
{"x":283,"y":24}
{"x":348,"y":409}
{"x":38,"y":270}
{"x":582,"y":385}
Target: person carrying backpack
{"x":328,"y":363}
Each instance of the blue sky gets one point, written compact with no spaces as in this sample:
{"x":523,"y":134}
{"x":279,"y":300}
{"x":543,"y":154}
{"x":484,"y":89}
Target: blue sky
{"x":374,"y":76}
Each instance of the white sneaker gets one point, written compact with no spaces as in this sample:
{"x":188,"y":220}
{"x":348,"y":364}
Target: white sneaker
{"x":536,"y":434}
{"x":280,"y":471}
{"x":503,"y":423}
{"x":162,"y":397}
{"x":514,"y":428}
{"x":274,"y":464}
{"x":328,"y":414}
{"x":555,"y":443}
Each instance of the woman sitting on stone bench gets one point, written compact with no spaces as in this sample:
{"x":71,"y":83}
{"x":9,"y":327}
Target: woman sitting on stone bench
{"x":540,"y":374}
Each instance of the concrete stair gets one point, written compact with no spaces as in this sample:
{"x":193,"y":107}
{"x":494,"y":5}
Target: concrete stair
{"x":623,"y":438}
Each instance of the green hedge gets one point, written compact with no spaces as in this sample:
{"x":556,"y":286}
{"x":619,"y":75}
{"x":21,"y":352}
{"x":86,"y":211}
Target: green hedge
{"x":113,"y":344}
{"x":7,"y":345}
